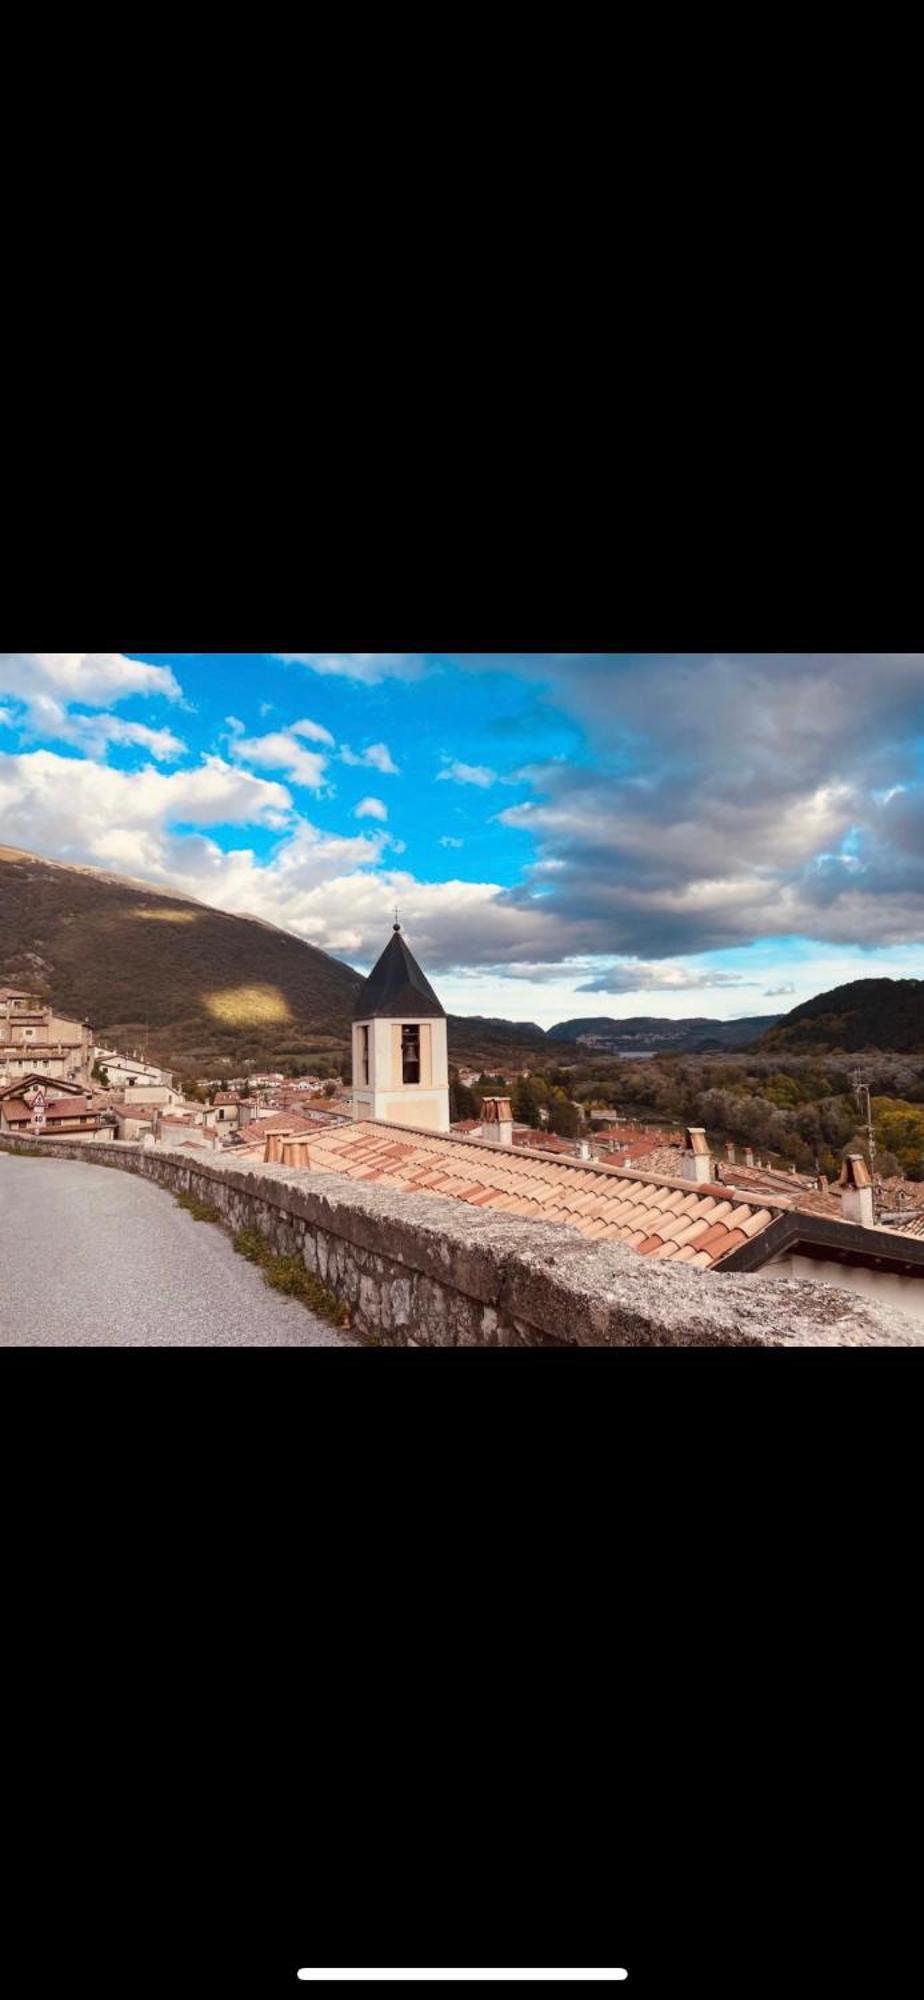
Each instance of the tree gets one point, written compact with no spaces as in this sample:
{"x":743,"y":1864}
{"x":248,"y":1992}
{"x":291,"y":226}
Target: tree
{"x":462,"y":1102}
{"x":564,"y":1118}
{"x":526,"y":1103}
{"x":330,"y":1090}
{"x":100,"y":1074}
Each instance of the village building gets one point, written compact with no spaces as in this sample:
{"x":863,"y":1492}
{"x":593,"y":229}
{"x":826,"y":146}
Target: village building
{"x":400,"y":1051}
{"x":224,"y":1111}
{"x":132,"y":1072}
{"x":34,"y":1038}
{"x":31,"y":1106}
{"x":229,"y":1113}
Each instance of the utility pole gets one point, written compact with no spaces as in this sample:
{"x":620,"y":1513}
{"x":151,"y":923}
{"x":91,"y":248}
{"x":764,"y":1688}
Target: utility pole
{"x":861,"y":1090}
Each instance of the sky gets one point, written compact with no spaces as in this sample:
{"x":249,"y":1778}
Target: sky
{"x":562,"y":834}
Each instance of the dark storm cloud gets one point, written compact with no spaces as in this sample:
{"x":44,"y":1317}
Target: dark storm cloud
{"x":732,"y":796}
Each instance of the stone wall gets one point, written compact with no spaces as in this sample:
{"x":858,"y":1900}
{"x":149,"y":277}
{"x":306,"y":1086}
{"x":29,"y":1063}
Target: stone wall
{"x":419,"y":1271}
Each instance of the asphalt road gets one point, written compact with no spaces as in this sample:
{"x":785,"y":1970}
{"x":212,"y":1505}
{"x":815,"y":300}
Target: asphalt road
{"x":90,"y":1257}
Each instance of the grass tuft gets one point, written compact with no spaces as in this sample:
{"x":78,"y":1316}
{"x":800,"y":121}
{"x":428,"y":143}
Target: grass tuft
{"x":201,"y":1211}
{"x":288,"y":1275}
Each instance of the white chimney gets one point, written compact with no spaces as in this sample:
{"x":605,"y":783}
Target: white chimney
{"x":582,"y":1149}
{"x":697,"y":1161}
{"x":749,"y":1156}
{"x":497,"y":1121}
{"x":856,"y":1191}
{"x":730,"y":1152}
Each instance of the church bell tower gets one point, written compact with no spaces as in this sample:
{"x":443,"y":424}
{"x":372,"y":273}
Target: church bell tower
{"x":400,"y":1051}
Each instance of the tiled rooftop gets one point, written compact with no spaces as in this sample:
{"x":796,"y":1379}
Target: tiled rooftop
{"x":696,"y":1225}
{"x":908,"y":1225}
{"x":790,"y":1190}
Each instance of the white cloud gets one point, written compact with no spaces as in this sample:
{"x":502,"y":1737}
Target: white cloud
{"x":79,"y":810}
{"x":48,"y":684}
{"x":314,"y":732}
{"x":92,"y":678}
{"x":92,"y":733}
{"x":378,"y":757}
{"x":468,"y":774}
{"x":634,"y":976}
{"x":281,"y":751}
{"x":449,"y":840}
{"x":367,"y":667}
{"x":774,"y":992}
{"x":6,"y":718}
{"x":371,"y":809}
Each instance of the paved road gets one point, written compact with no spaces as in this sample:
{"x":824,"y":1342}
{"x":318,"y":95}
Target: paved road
{"x":90,"y":1257}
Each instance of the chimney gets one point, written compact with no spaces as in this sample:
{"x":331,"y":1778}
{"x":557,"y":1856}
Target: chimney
{"x":697,"y":1162}
{"x":730,"y":1152}
{"x":497,"y":1121}
{"x":582,"y":1149}
{"x":856,"y":1191}
{"x":749,"y":1156}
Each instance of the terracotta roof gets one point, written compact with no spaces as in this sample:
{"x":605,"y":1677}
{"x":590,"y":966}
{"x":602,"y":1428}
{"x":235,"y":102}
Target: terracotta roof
{"x":36,"y":1080}
{"x":789,"y":1190}
{"x":697,"y":1225}
{"x":907,"y":1225}
{"x":254,"y":1134}
{"x":661,"y":1161}
{"x":543,"y":1142}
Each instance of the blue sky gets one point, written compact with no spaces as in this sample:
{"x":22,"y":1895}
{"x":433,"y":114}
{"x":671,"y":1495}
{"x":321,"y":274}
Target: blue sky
{"x":563,"y":833}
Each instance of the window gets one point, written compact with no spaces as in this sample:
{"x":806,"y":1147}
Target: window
{"x":410,"y":1055}
{"x":363,"y":1077}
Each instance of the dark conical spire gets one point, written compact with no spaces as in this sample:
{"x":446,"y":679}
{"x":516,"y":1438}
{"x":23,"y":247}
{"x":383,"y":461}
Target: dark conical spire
{"x":396,"y":988}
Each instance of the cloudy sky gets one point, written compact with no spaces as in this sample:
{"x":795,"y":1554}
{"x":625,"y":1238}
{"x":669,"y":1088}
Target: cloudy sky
{"x":563,"y":834}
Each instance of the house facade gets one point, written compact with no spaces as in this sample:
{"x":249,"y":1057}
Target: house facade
{"x":35,"y":1038}
{"x":57,"y":1110}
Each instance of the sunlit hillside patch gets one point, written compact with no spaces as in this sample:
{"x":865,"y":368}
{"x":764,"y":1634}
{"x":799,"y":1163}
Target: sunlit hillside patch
{"x":166,"y":916}
{"x":248,"y":1006}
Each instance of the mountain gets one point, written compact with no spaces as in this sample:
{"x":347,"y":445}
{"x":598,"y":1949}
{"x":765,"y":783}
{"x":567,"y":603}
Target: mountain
{"x":644,"y":1032}
{"x":864,"y":1014}
{"x":198,"y":985}
{"x":202,"y":990}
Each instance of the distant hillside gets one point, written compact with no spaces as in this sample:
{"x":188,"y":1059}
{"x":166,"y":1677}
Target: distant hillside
{"x":864,"y":1014}
{"x":204,"y":989}
{"x":207,"y":985}
{"x":651,"y":1031}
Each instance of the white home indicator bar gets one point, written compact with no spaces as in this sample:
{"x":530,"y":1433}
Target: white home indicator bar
{"x":506,"y":1972}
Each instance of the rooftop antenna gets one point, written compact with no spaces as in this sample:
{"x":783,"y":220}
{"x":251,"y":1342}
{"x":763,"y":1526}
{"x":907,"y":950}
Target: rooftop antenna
{"x":397,"y":925}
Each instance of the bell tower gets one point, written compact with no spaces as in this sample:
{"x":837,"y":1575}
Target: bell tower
{"x":400,"y":1050}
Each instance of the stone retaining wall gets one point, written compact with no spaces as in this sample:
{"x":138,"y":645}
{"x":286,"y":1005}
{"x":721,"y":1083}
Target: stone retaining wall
{"x":416,"y":1270}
